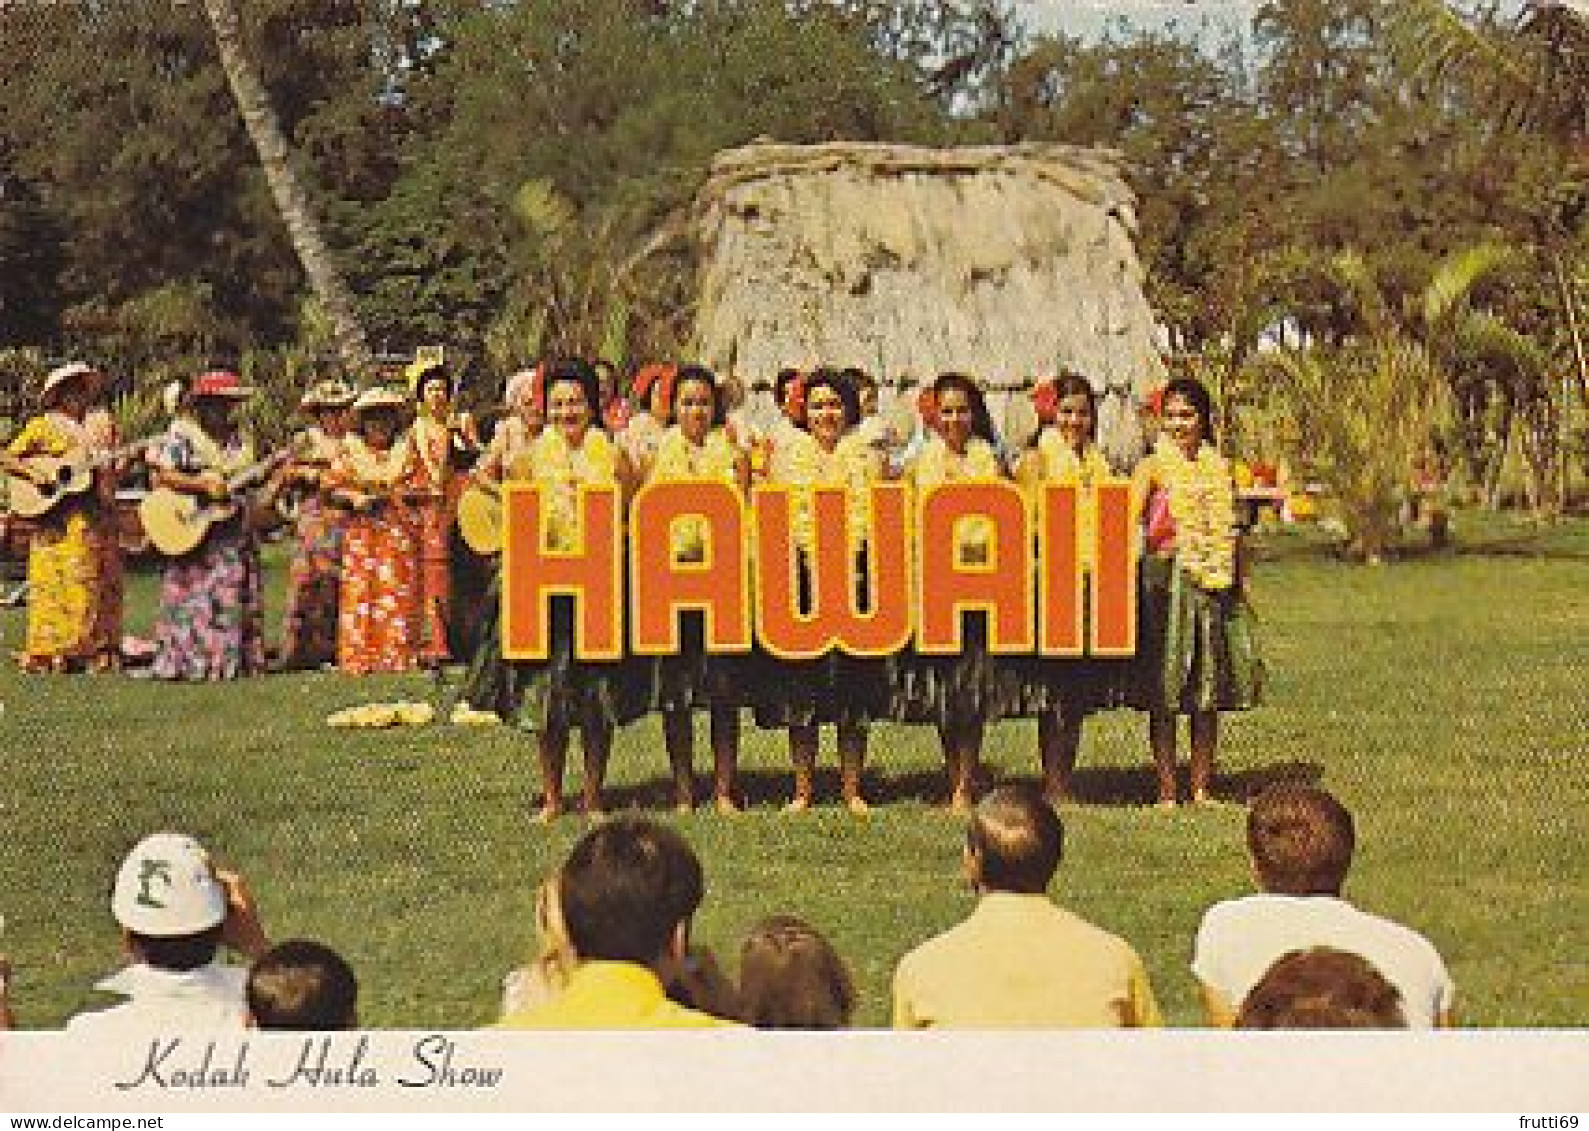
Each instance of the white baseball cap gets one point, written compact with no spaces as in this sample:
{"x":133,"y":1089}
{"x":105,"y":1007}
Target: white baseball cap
{"x":167,"y":887}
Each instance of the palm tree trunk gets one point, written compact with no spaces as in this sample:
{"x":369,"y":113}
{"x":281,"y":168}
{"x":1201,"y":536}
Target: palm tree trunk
{"x":292,"y":201}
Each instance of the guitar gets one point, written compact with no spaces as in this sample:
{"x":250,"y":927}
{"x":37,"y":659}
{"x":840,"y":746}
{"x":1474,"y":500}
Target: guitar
{"x":480,"y":518}
{"x":68,"y":476}
{"x":177,"y":521}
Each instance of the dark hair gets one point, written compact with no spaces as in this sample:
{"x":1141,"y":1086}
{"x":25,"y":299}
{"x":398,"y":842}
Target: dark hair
{"x":825,"y":378}
{"x":177,"y":953}
{"x":698,"y":373}
{"x":1301,"y":840}
{"x":781,"y":383}
{"x":1322,"y":988}
{"x":1070,"y":384}
{"x":790,"y":977}
{"x":1196,"y":394}
{"x":580,"y":373}
{"x":625,"y":888}
{"x":981,"y":419}
{"x":300,"y":984}
{"x":1017,"y":840}
{"x":860,"y":378}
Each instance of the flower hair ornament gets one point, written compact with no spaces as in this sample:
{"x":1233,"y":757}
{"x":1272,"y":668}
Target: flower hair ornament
{"x":1045,"y":400}
{"x":794,"y":400}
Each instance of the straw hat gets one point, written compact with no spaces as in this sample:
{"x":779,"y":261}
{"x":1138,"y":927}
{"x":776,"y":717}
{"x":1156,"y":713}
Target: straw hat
{"x":379,"y":397}
{"x":63,"y":375}
{"x":329,"y":394}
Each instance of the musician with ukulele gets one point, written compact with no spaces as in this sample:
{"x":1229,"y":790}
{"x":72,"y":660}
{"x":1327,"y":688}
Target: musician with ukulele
{"x":58,"y":460}
{"x":374,"y":479}
{"x":310,"y":628}
{"x":211,"y":602}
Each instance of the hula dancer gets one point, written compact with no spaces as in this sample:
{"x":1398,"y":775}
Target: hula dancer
{"x":847,"y":691}
{"x":73,"y":554}
{"x":379,"y":614}
{"x":959,"y":693}
{"x":316,"y":569}
{"x":443,"y":441}
{"x":1063,"y":692}
{"x":210,"y":625}
{"x":489,"y":692}
{"x":698,"y":447}
{"x":562,"y":692}
{"x":1197,"y":655}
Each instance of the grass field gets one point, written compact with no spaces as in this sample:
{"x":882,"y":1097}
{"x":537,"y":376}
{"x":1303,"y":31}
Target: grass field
{"x":1442,"y":697}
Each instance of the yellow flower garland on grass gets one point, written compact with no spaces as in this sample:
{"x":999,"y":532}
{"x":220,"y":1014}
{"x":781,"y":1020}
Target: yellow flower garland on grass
{"x":1202,"y":502}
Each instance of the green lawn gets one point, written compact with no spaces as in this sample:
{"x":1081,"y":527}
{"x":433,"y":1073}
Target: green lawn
{"x":1442,"y":697}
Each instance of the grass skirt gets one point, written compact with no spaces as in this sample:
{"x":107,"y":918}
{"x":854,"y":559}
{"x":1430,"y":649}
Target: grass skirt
{"x":560,"y":691}
{"x":693,"y":678}
{"x":970,"y":684}
{"x":1197,"y":650}
{"x":832,"y":688}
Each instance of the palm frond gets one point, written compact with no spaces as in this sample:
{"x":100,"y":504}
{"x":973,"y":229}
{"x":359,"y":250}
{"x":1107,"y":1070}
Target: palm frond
{"x":1457,"y":274}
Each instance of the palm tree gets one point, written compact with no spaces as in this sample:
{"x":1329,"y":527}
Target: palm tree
{"x":292,"y":201}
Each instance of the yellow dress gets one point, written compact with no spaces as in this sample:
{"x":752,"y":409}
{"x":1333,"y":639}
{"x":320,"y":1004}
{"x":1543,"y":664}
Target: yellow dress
{"x":64,"y":555}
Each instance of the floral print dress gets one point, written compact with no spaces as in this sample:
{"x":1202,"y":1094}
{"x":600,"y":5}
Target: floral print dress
{"x":211,"y":620}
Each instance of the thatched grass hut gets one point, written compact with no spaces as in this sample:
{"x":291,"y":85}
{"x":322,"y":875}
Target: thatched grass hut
{"x":1007,"y":263}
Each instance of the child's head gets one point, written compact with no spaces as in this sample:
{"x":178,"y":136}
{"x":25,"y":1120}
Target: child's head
{"x":790,"y":977}
{"x":1322,"y":988}
{"x":302,"y":985}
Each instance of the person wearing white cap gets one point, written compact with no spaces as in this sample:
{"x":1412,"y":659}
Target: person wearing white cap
{"x":210,"y":625}
{"x":73,"y":538}
{"x":177,"y":911}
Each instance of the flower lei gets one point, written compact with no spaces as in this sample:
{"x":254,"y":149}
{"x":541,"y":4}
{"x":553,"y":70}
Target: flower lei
{"x":562,"y":470}
{"x":211,"y":456}
{"x":1063,"y":466}
{"x":1202,"y":503}
{"x":677,"y":458}
{"x":849,"y":465}
{"x":938,"y":464}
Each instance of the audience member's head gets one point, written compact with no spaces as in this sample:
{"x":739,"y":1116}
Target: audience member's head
{"x":1015,"y":841}
{"x":170,"y":903}
{"x":790,"y":977}
{"x":1301,"y":840}
{"x":628,"y":891}
{"x":301,"y":984}
{"x":1322,"y":988}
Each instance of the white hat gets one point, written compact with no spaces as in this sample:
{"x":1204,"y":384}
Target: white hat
{"x":379,"y":397}
{"x":61,"y":374}
{"x":167,"y":887}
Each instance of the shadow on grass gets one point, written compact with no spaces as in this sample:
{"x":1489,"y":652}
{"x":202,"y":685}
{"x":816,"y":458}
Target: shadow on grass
{"x":1102,"y":786}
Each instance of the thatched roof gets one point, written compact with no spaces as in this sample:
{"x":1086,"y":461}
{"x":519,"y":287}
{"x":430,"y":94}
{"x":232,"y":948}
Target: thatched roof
{"x":1002,"y":262}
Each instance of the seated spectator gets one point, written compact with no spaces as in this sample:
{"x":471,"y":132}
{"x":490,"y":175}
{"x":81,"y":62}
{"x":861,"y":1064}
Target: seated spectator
{"x":1020,"y":960}
{"x":1322,"y":988}
{"x":177,"y":911}
{"x":1301,"y":840}
{"x":790,"y":977}
{"x":302,"y":985}
{"x":627,"y":893}
{"x":547,"y":974}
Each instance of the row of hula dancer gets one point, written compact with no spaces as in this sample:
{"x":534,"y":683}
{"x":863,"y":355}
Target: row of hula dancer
{"x":1196,"y":656}
{"x":369,"y":581}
